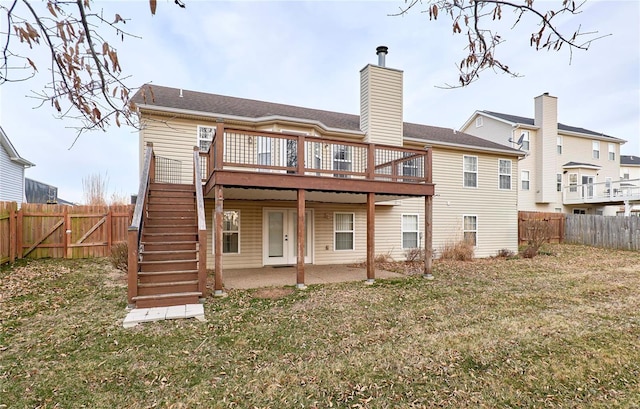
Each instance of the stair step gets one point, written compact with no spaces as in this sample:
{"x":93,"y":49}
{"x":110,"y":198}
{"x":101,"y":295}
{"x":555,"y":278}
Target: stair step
{"x":164,"y":273}
{"x":172,"y":207}
{"x":168,"y":265}
{"x":171,"y":228}
{"x":170,"y":186}
{"x":152,"y":277}
{"x":164,"y":300}
{"x":167,"y":287}
{"x":159,"y":255}
{"x":169,"y":245}
{"x":164,"y":237}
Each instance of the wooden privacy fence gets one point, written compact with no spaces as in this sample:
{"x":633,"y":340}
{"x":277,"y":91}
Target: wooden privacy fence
{"x":556,"y":222}
{"x":615,"y":232}
{"x":41,"y":230}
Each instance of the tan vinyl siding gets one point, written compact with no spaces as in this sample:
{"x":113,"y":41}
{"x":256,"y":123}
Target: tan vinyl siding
{"x":381,"y":107}
{"x":491,"y":130}
{"x":173,"y":139}
{"x":251,"y":232}
{"x":496,"y":209}
{"x":546,"y":117}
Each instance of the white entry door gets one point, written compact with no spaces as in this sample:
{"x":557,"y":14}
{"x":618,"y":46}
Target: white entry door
{"x":280,"y":239}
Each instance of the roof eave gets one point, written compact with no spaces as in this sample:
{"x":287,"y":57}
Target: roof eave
{"x":601,"y":137}
{"x":430,"y":142}
{"x":247,"y":119}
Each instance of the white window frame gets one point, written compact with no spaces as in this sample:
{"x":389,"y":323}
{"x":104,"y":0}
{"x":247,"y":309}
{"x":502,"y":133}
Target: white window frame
{"x":471,"y":171}
{"x":526,"y":140}
{"x":264,"y":150}
{"x":346,"y":159}
{"x":559,"y":145}
{"x":227,"y":232}
{"x":209,"y":132}
{"x":416,"y":231}
{"x":595,"y":149}
{"x":626,"y":173}
{"x":465,"y":230}
{"x":479,"y":122}
{"x":352,"y":231}
{"x":501,"y":174}
{"x":573,"y":185}
{"x":612,"y":151}
{"x":558,"y":182}
{"x":525,"y":177}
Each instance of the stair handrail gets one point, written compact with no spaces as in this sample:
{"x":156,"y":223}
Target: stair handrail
{"x":133,"y":239}
{"x":202,"y":224}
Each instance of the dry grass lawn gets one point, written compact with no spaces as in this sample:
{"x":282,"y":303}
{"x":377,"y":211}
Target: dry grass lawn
{"x":559,"y":330}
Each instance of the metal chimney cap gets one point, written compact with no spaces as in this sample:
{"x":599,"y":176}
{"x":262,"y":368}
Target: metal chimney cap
{"x":382,"y":51}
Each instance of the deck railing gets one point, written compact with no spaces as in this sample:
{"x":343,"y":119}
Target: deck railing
{"x":137,"y":221}
{"x":602,"y":192}
{"x":272,"y":152}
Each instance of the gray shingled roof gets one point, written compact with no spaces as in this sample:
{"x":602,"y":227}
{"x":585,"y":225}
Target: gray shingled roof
{"x":579,"y":164}
{"x":630,"y":160}
{"x":529,"y":121}
{"x":159,"y":96}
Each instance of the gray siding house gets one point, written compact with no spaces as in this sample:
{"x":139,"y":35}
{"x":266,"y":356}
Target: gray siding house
{"x":12,"y":167}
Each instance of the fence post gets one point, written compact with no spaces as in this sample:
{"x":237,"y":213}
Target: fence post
{"x":109,"y":230}
{"x":12,"y":232}
{"x":68,"y":251}
{"x":19,"y":228}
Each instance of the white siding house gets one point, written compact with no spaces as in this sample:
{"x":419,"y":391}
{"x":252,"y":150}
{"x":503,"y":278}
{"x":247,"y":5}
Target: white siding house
{"x":12,"y":167}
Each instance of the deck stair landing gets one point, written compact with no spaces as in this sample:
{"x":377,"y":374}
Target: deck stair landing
{"x":168,"y":248}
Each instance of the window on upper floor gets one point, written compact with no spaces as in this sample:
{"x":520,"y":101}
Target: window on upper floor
{"x":625,"y":173}
{"x":504,"y":174}
{"x":524,"y":179}
{"x":205,"y":137}
{"x":573,"y":182}
{"x":410,"y":233}
{"x":559,"y":145}
{"x":525,"y":137}
{"x":612,"y":151}
{"x":558,"y":182}
{"x":478,"y":122}
{"x":342,"y":159}
{"x":596,"y":149}
{"x":470,"y":171}
{"x":470,"y":229}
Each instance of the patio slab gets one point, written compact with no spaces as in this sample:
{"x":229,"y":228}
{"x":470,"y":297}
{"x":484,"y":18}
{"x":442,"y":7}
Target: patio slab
{"x":139,"y":315}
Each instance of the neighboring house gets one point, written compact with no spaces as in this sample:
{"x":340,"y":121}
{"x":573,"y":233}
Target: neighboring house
{"x":630,"y":179}
{"x":566,"y":169}
{"x":12,"y":167}
{"x":38,"y":192}
{"x":359,"y":180}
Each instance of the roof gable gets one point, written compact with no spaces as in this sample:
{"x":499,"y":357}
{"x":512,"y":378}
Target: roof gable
{"x":153,"y":96}
{"x":515,"y":119}
{"x":11,"y":151}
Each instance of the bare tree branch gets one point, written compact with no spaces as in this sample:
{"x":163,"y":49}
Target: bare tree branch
{"x":482,"y":42}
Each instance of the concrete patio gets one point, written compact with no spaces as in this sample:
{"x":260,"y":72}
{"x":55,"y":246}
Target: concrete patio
{"x":280,"y":276}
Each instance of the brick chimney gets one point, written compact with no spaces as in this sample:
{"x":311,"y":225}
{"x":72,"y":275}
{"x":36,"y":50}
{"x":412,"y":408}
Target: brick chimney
{"x":381,"y":102}
{"x":546,"y":118}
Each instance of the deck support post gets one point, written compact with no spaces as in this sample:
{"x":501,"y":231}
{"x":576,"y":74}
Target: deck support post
{"x":218,"y":213}
{"x":371,"y":237}
{"x":301,"y":240}
{"x":428,"y":237}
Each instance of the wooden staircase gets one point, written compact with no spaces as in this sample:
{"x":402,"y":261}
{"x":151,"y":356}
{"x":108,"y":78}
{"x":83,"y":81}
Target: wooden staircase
{"x":169,"y":249}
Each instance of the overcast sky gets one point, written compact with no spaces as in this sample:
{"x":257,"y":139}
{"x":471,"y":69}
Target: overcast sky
{"x":310,"y":54}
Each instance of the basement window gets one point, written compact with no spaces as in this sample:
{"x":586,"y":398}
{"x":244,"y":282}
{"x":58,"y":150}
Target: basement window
{"x":231,"y":232}
{"x":410,"y":232}
{"x":470,"y":229}
{"x":344,"y":231}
